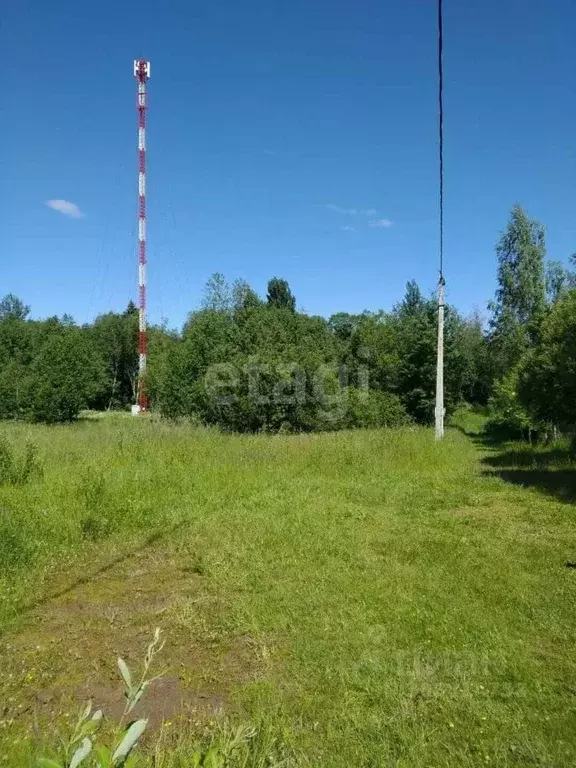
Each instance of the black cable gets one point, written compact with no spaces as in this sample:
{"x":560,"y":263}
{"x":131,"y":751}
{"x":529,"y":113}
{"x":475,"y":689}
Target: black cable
{"x":441,"y":133}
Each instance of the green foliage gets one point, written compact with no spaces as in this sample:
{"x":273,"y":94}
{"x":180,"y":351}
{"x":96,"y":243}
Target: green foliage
{"x":374,"y":409}
{"x":49,"y":370}
{"x":13,"y":376}
{"x":115,"y":337}
{"x":415,"y":333}
{"x":245,"y":365}
{"x":527,"y":289}
{"x":469,"y":376}
{"x":244,"y":297}
{"x":15,"y":549}
{"x":521,"y":251}
{"x":279,"y":294}
{"x":217,"y":294}
{"x":521,"y":294}
{"x":248,"y":374}
{"x":250,"y":365}
{"x":97,"y":507}
{"x":133,"y":692}
{"x":18,"y":470}
{"x":83,"y":747}
{"x":238,"y":747}
{"x":64,"y":376}
{"x":558,"y":279}
{"x":266,"y":367}
{"x":470,"y":419}
{"x":508,"y":418}
{"x":11,"y":307}
{"x":343,"y":324}
{"x":547,"y":379}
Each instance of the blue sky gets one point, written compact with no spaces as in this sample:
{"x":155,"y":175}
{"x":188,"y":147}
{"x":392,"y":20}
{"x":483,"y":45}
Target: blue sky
{"x":280,"y":135}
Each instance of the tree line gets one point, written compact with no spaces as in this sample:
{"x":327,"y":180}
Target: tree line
{"x":250,"y":363}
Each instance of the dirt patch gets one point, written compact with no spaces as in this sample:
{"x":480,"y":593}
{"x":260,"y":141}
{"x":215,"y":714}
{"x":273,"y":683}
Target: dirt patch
{"x":65,"y":653}
{"x":166,"y":699}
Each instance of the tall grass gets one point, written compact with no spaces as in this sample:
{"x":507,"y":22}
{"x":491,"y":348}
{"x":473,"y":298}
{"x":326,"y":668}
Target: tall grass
{"x":408,"y":606}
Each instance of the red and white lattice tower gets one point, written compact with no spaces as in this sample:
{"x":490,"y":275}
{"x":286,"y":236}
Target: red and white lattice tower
{"x":142,"y":73}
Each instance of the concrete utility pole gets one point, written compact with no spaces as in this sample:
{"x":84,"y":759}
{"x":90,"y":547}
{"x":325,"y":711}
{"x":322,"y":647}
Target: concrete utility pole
{"x":439,"y":412}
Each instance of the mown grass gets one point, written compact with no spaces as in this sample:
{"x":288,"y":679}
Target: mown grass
{"x":407,"y":603}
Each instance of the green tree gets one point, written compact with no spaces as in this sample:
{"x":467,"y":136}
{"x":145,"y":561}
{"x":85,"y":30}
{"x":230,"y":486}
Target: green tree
{"x":116,"y":338}
{"x":12,"y":307}
{"x":372,"y":354}
{"x":509,"y":418}
{"x":472,"y":351}
{"x":243,"y":296}
{"x":415,"y":325}
{"x":520,"y":300}
{"x":343,"y":324}
{"x":557,"y":280}
{"x":130,"y":310}
{"x":63,"y":377}
{"x":521,"y":251}
{"x":13,"y":375}
{"x":217,"y":294}
{"x":547,"y":379}
{"x":280,"y":295}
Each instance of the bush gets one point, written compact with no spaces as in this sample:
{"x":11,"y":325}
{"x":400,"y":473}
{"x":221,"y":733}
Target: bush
{"x":64,"y":376}
{"x":373,"y":408}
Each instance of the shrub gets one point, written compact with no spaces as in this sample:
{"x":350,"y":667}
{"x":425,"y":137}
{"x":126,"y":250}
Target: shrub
{"x":373,"y":408}
{"x":63,"y":378}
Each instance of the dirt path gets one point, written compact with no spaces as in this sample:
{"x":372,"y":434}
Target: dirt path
{"x":65,"y":649}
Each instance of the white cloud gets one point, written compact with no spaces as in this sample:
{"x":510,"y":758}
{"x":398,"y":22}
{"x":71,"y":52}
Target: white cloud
{"x":351,"y":211}
{"x":347,"y":229}
{"x":380,"y":223}
{"x":338,"y":209}
{"x":64,"y":206}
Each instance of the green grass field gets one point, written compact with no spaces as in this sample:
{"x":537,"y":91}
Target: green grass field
{"x":362,"y":599}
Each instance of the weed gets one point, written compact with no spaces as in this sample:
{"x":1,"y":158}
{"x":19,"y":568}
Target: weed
{"x":133,"y":693}
{"x":95,"y":522}
{"x":92,"y":489}
{"x":18,"y":470}
{"x":83,"y":747}
{"x":14,"y":546}
{"x":95,"y":527}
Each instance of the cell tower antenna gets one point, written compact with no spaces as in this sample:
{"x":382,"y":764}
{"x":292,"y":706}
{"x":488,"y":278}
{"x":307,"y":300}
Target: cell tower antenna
{"x":142,"y":74}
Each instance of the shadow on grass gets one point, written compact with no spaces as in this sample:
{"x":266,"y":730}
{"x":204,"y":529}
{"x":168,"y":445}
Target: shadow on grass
{"x":481,"y":438}
{"x":534,"y":459}
{"x":552,"y":472}
{"x":150,"y":541}
{"x":559,"y":483}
